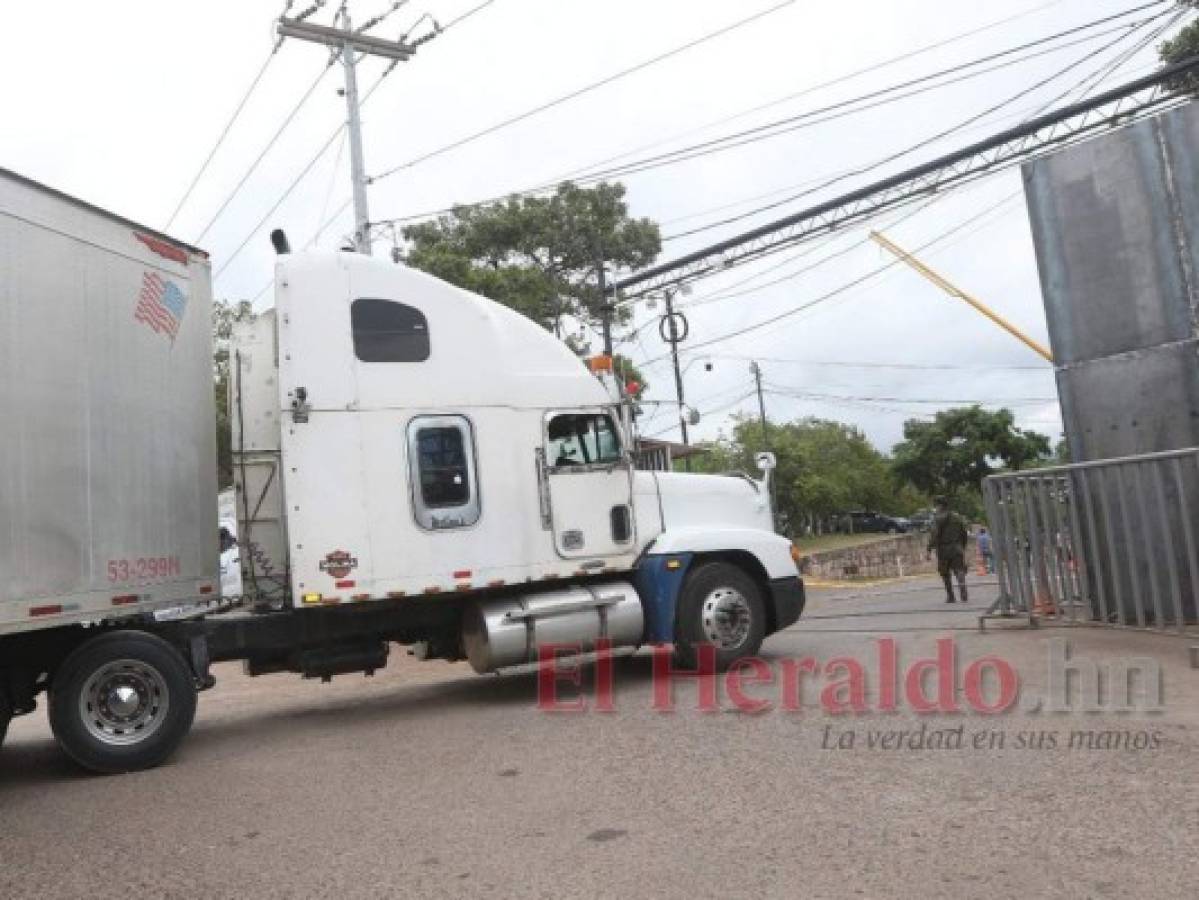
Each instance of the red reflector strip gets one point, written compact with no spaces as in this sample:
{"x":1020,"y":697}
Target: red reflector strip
{"x":396,"y":595}
{"x":462,"y":588}
{"x":433,"y":590}
{"x":45,"y":610}
{"x":361,"y":597}
{"x":343,"y":584}
{"x":330,"y":601}
{"x":499,"y":582}
{"x":462,"y":573}
{"x":124,"y":600}
{"x":206,"y":589}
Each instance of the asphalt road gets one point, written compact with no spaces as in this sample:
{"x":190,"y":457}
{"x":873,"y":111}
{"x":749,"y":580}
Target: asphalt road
{"x":430,"y":781}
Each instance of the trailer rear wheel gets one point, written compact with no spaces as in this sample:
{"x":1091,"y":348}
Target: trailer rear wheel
{"x":723,"y":606}
{"x":122,"y":702}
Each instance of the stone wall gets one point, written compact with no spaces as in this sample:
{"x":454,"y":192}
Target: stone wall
{"x":892,"y":558}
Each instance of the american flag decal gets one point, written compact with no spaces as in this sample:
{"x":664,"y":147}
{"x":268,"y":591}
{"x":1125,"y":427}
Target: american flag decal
{"x":160,"y":305}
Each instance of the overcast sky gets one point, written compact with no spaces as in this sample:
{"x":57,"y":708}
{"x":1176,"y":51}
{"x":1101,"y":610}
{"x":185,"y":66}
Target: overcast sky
{"x":123,"y":105}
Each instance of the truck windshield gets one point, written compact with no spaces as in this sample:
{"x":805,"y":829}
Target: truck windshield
{"x":581,"y":439}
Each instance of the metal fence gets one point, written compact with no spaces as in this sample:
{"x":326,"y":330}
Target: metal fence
{"x":1112,"y":541}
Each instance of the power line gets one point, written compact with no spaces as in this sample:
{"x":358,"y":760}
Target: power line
{"x":916,"y":367}
{"x":712,"y":146}
{"x":271,"y":143}
{"x":1123,"y":104}
{"x":853,"y":106}
{"x":224,"y":134}
{"x":466,"y":15}
{"x":920,"y":145}
{"x":921,"y":401}
{"x":297,"y":179}
{"x":438,"y":30}
{"x":1020,"y":116}
{"x":520,"y":117}
{"x":708,"y":412}
{"x":836,"y":292}
{"x":813,"y":89}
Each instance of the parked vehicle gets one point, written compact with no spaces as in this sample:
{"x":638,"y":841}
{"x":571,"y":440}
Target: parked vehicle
{"x":867,"y":522}
{"x":921,"y":520}
{"x":414,"y":464}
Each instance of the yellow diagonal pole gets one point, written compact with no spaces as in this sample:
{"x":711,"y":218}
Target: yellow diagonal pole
{"x":955,"y":291}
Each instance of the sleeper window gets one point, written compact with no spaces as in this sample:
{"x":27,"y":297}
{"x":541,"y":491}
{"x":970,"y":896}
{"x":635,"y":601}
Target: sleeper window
{"x":386,"y":331}
{"x":441,"y":457}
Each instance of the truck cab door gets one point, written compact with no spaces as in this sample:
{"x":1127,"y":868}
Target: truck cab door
{"x":588,"y":477}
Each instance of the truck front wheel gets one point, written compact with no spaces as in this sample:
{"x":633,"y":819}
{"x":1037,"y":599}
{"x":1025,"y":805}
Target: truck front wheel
{"x":122,"y":702}
{"x":720,"y":605}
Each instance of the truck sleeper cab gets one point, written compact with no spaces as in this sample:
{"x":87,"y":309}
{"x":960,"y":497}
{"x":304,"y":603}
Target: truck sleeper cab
{"x":430,"y":442}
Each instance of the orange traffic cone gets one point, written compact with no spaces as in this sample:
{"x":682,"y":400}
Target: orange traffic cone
{"x":1043,"y":604}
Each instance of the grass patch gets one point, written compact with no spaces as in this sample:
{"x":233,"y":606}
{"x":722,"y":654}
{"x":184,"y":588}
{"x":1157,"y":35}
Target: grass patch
{"x":825,"y":542}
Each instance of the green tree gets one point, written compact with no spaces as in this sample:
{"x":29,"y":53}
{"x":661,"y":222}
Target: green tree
{"x":824,"y":469}
{"x":952,"y":454}
{"x":224,"y":316}
{"x":1182,"y":46}
{"x":537,"y":255}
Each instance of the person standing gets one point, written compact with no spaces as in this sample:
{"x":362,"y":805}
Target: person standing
{"x":984,"y":550}
{"x":948,"y":538}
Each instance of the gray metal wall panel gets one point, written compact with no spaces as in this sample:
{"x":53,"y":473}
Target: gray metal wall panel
{"x":1115,"y":223}
{"x":1141,"y":402}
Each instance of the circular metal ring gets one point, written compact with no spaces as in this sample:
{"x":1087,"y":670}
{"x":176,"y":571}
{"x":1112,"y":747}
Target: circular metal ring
{"x":124,"y":702}
{"x":726,"y":618}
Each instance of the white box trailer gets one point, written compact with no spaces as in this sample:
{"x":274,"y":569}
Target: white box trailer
{"x":414,"y":464}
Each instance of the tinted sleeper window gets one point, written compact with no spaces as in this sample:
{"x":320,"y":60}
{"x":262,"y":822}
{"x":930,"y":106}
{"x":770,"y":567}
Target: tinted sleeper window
{"x":386,"y":331}
{"x":444,"y":478}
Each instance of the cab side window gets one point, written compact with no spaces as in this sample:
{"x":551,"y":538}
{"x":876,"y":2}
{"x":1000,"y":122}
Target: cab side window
{"x":385,"y":331}
{"x":441,"y":459}
{"x":582,"y":439}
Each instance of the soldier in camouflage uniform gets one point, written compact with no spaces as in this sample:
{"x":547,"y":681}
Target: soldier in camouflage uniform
{"x":948,"y":538}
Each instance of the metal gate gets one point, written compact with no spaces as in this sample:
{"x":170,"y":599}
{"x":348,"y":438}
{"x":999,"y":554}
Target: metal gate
{"x":1111,"y":542}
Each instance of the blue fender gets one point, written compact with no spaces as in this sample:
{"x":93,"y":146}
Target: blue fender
{"x":658,"y":580}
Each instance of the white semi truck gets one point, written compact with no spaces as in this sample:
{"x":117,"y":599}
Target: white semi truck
{"x":414,"y":464}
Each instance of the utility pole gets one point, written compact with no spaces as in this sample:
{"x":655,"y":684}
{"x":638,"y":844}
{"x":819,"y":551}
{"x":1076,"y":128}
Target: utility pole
{"x":774,"y":505}
{"x":352,"y":45}
{"x":605,"y":303}
{"x":362,"y":221}
{"x":757,"y":372}
{"x":674,"y":328}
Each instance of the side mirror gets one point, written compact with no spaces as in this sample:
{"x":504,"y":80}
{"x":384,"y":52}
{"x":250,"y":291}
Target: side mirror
{"x":765,"y":461}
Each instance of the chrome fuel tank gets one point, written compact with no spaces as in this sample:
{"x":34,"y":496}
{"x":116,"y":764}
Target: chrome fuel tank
{"x":508,"y":632}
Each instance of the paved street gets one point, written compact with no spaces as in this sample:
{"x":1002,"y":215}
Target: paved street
{"x":430,"y":781}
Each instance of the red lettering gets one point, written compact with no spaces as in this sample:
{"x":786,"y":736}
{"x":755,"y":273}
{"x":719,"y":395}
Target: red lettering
{"x":548,"y":675}
{"x":665,"y":673}
{"x":944,"y":667}
{"x":847,"y":695}
{"x":1009,"y":685}
{"x":734,"y":684}
{"x":888,"y":674}
{"x":793,"y":670}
